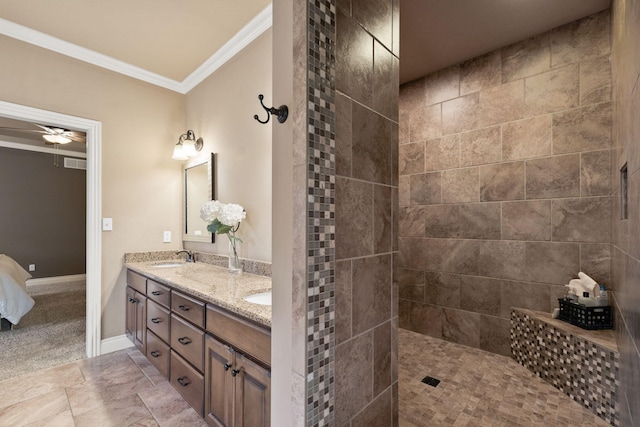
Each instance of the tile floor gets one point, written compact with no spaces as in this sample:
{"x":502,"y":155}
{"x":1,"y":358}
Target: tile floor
{"x":477,"y":389}
{"x":117,"y":389}
{"x":123,"y":389}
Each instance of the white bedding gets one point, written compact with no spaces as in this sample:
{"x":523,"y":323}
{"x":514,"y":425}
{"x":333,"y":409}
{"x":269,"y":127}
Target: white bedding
{"x":14,"y":300}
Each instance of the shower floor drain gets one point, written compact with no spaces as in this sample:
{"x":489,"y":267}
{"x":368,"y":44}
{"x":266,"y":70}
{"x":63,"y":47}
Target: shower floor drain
{"x":433,"y":382}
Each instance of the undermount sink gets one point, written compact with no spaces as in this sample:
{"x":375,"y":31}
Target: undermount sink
{"x":168,"y":264}
{"x":262,"y":298}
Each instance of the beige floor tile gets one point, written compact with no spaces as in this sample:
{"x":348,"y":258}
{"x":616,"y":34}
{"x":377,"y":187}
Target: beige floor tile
{"x":128,"y":411}
{"x":35,"y":409}
{"x":169,"y":408}
{"x":63,"y":419}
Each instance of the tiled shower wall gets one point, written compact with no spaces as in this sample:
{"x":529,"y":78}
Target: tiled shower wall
{"x":505,"y":183}
{"x":626,"y":232}
{"x":366,"y":322}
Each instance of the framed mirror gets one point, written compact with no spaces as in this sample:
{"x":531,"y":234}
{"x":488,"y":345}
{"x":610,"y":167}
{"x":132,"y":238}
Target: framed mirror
{"x":199,"y":188}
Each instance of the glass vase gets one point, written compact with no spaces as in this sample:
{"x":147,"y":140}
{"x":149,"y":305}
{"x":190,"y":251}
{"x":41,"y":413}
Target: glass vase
{"x":235,"y":263}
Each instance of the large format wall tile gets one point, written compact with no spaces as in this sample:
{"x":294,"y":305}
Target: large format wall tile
{"x":371,"y":159}
{"x":553,"y":177}
{"x":583,"y":129}
{"x":526,"y":58}
{"x":425,"y":123}
{"x":425,"y":189}
{"x":480,"y":295}
{"x":382,"y":358}
{"x":504,"y":181}
{"x":385,"y":88}
{"x":526,"y":220}
{"x":442,"y":85}
{"x":444,"y":153}
{"x":460,"y":114}
{"x":581,"y":39}
{"x":502,"y":259}
{"x":442,"y":289}
{"x":460,"y":186}
{"x":480,"y":73}
{"x":411,"y":158}
{"x":382,"y":217}
{"x":354,"y":218}
{"x":595,"y":173}
{"x":479,"y":221}
{"x":354,"y":386}
{"x":553,"y":263}
{"x":494,"y":335}
{"x":526,"y":139}
{"x":595,"y":260}
{"x":354,"y":59}
{"x":371,"y":288}
{"x":376,"y":17}
{"x":343,"y":135}
{"x":502,"y":104}
{"x":595,"y":80}
{"x":343,"y":301}
{"x":581,"y":220}
{"x":441,"y":221}
{"x":480,"y":146}
{"x":461,"y":327}
{"x":532,"y":296}
{"x":552,"y":91}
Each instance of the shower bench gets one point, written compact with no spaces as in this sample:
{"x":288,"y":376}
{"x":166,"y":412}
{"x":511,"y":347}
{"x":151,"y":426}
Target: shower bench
{"x":584,"y":364}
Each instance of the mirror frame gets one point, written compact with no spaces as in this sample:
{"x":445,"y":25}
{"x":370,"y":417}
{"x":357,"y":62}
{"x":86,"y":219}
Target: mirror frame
{"x":212,"y":192}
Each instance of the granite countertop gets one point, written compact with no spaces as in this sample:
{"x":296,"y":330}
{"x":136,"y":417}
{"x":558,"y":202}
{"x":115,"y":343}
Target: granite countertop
{"x":212,"y":284}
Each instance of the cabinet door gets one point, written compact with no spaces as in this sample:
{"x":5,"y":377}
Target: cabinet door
{"x":218,"y":383}
{"x":130,"y":321}
{"x":252,"y":397}
{"x":140,"y":332}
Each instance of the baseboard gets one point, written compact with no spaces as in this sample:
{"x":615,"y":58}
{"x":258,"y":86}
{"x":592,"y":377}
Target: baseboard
{"x":109,"y":345}
{"x":56,"y":279}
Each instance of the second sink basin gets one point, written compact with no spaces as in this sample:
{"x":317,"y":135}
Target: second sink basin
{"x":168,"y":264}
{"x":262,"y":298}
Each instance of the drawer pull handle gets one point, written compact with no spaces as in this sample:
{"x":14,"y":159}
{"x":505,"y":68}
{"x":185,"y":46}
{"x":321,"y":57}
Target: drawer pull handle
{"x":156,"y":293}
{"x":156,"y":320}
{"x":183,"y":308}
{"x":235,"y":372}
{"x":184,"y":340}
{"x":227,"y":366}
{"x":155,"y":353}
{"x":184,"y":381}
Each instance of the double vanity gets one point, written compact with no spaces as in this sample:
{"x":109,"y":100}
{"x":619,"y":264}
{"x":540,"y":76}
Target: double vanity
{"x":208,"y":332}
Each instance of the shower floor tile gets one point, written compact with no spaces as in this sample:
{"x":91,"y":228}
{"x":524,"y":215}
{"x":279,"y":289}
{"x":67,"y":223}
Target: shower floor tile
{"x":477,"y":388}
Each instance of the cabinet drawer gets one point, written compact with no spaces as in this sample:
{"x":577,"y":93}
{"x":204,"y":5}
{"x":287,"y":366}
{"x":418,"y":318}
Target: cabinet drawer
{"x":188,"y":382}
{"x":189,"y":308}
{"x":158,"y":320}
{"x":240,"y":334}
{"x":137,"y":281}
{"x":159,"y":293}
{"x":158,"y":354}
{"x":187,"y":340}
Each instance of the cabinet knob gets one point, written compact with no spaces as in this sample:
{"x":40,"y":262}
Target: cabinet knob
{"x":183,"y":307}
{"x":235,"y":372}
{"x":156,"y":320}
{"x":155,"y":353}
{"x":184,"y":340}
{"x":156,"y":293}
{"x":184,"y":381}
{"x":132,"y":300}
{"x":227,"y":366}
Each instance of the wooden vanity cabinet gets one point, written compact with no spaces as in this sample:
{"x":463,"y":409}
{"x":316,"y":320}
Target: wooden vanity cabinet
{"x":218,"y":361}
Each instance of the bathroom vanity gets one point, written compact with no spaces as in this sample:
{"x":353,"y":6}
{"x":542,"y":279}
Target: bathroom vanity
{"x":193,"y":323}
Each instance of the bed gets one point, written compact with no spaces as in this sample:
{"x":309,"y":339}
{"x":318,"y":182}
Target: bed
{"x":14,"y":300}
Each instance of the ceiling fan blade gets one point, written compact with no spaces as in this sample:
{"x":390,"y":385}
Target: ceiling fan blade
{"x":22,"y":130}
{"x":45,"y":128}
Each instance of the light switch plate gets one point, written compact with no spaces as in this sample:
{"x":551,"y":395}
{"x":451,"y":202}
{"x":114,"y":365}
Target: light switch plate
{"x":166,"y":238}
{"x":107,"y":224}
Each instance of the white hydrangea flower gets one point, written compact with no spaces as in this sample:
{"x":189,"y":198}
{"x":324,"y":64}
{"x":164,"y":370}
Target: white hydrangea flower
{"x":231,"y":214}
{"x":210,"y":210}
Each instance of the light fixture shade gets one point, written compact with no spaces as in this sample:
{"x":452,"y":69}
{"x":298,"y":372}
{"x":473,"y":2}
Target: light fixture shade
{"x":189,"y":148}
{"x":178,"y":153}
{"x":56,"y":139}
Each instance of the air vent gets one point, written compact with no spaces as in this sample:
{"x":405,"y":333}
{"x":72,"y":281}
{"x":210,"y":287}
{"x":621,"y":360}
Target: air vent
{"x":71,"y":163}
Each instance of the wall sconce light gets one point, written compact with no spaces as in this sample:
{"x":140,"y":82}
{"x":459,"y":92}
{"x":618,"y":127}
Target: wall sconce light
{"x":187,"y":146}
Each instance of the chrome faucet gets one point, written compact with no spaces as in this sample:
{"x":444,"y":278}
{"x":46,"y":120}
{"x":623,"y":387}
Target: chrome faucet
{"x":190,"y":256}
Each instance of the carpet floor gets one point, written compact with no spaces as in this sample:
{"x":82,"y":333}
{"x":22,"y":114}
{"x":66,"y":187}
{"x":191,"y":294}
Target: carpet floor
{"x":51,"y":334}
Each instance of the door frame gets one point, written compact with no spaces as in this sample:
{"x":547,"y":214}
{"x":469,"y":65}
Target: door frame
{"x":93,"y":129}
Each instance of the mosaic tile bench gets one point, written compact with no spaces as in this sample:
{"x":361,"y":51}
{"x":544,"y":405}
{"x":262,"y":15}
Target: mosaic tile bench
{"x":583,"y":364}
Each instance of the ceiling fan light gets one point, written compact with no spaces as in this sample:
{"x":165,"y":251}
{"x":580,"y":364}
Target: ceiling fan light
{"x":56,"y":139}
{"x":178,"y":152}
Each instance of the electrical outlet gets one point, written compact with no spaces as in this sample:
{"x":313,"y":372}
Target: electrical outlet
{"x":166,"y":238}
{"x":32,"y":267}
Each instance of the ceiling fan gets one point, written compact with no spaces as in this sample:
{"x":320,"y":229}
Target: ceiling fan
{"x":51,"y":134}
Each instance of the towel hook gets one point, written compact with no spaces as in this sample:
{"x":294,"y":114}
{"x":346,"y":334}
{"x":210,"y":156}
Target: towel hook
{"x":281,"y":113}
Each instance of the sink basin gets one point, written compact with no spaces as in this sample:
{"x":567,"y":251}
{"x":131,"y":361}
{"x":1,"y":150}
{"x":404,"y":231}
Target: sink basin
{"x":168,"y":264}
{"x":262,"y":298}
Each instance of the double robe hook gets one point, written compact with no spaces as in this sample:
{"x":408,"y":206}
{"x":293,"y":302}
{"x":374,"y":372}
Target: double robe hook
{"x":281,"y":113}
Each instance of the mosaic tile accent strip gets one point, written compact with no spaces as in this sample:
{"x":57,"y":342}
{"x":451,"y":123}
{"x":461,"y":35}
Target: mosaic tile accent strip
{"x":321,"y":37}
{"x":583,"y":370}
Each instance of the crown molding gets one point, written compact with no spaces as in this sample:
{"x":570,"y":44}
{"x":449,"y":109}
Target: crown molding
{"x":258,"y":25}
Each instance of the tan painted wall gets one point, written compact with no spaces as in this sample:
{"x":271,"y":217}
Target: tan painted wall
{"x":141,"y":184}
{"x":221,"y":110}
